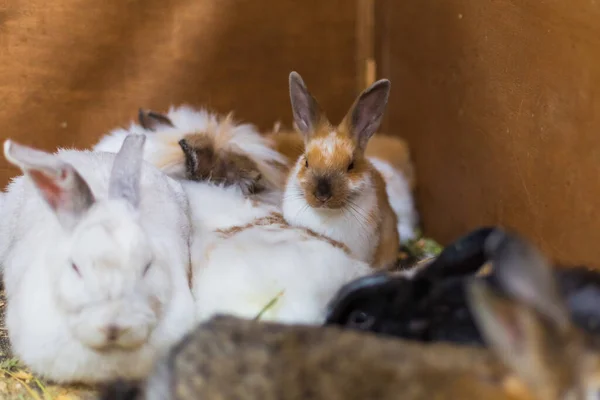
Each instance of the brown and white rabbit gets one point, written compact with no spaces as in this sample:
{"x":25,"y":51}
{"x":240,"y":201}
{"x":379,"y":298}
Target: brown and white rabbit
{"x":334,"y":189}
{"x":536,"y":353}
{"x":390,"y":155}
{"x":195,"y":144}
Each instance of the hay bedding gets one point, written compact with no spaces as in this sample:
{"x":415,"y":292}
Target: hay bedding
{"x":17,"y":383}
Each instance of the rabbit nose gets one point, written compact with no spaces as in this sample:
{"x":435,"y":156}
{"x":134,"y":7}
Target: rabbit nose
{"x":323,"y":191}
{"x":113,"y":332}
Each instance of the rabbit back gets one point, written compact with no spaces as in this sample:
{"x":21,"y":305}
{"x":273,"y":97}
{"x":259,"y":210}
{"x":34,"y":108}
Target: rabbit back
{"x":270,"y":361}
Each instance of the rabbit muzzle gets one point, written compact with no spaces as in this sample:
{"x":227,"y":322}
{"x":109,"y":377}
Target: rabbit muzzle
{"x":117,"y":325}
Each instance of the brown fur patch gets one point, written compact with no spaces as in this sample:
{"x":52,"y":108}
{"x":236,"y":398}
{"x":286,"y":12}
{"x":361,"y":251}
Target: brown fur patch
{"x":332,"y":156}
{"x":386,"y":252}
{"x":277,"y":221}
{"x":395,"y":151}
{"x":213,"y":161}
{"x":271,"y":219}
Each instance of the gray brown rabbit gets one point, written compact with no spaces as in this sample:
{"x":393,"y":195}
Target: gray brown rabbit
{"x":536,"y":353}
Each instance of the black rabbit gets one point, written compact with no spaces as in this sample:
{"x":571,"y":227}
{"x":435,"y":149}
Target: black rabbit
{"x":432,"y":306}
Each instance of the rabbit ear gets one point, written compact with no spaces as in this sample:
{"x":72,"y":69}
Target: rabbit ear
{"x":151,"y":120}
{"x":60,"y":185}
{"x":305,"y":108}
{"x":526,"y":275}
{"x":191,"y":157}
{"x":127,"y":169}
{"x":366,"y":113}
{"x":532,"y":347}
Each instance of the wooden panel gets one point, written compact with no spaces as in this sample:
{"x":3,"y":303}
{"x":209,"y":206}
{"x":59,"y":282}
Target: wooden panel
{"x":72,"y":71}
{"x":500,"y":100}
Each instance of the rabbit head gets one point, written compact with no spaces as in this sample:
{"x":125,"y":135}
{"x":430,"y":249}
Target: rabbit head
{"x":334,"y":168}
{"x":203,"y":162}
{"x":529,"y":327}
{"x":104,"y":264}
{"x":215,"y":148}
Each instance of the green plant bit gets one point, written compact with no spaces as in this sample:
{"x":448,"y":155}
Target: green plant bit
{"x":269,"y":305}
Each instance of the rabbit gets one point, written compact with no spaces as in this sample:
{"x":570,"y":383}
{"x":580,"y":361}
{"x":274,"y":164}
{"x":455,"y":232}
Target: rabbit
{"x":389,"y":155}
{"x":244,"y":255}
{"x":432,"y":304}
{"x":534,"y":352}
{"x":333,"y":189}
{"x":96,"y":262}
{"x":196,"y":144}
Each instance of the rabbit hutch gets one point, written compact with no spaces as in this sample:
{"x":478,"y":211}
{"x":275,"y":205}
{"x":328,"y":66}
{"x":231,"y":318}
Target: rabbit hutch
{"x":498,"y":100}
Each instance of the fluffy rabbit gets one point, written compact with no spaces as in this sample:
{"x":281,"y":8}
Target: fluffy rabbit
{"x":389,"y":155}
{"x":200,"y":145}
{"x":96,"y":262}
{"x":432,"y":306}
{"x":534,"y":353}
{"x":333,"y":188}
{"x":244,"y":255}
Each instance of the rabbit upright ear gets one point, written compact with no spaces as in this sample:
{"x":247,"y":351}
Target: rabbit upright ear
{"x":307,"y":112}
{"x":366,"y":113}
{"x":526,"y":275}
{"x":532,"y":347}
{"x":151,"y":120}
{"x":59,"y":184}
{"x":127,"y":169}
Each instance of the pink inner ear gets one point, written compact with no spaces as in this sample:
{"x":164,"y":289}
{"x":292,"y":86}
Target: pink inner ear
{"x":514,"y":328}
{"x":49,"y":187}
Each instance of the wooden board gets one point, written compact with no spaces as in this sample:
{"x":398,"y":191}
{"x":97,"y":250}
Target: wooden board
{"x":500,"y":100}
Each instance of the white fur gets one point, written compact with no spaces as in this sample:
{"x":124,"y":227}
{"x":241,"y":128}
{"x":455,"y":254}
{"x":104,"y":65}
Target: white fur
{"x":163,"y":151}
{"x":330,"y":145}
{"x":241,"y":273}
{"x":400,"y":197}
{"x":352,"y":226}
{"x":54,"y":316}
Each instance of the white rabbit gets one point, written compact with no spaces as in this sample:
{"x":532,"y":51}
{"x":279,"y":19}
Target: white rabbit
{"x":96,"y":265}
{"x":244,"y":255}
{"x":199,"y":145}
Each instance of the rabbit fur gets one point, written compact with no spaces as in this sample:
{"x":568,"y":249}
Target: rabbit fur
{"x":432,"y":305}
{"x":535,"y":352}
{"x":382,"y":151}
{"x":167,"y":134}
{"x":95,"y":249}
{"x":244,"y":255}
{"x":333,"y":188}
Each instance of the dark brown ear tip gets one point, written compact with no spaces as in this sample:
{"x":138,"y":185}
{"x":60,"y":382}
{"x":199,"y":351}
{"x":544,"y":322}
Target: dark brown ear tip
{"x":184,"y":145}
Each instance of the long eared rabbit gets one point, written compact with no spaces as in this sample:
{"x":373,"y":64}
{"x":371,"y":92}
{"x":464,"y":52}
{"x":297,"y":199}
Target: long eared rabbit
{"x":535,"y":353}
{"x":96,"y":262}
{"x":432,"y":305}
{"x":196,"y":144}
{"x":390,"y":155}
{"x":244,"y":255}
{"x":334,"y":189}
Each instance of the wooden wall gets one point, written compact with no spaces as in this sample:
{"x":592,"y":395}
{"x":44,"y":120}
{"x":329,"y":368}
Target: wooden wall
{"x":500,"y":100}
{"x":72,"y":69}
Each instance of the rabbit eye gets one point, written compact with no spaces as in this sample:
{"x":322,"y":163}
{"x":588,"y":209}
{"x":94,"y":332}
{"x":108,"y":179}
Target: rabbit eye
{"x":74,"y":268}
{"x":305,"y":162}
{"x":351,"y":166}
{"x":147,"y":268}
{"x":360,"y":319}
